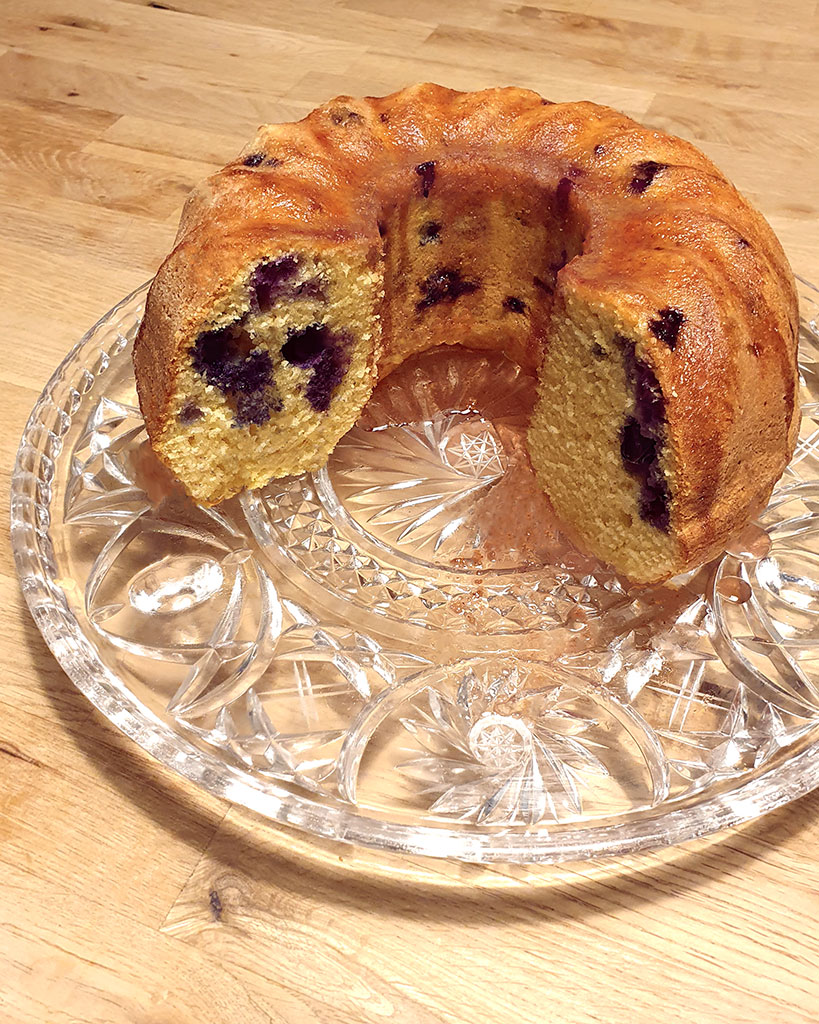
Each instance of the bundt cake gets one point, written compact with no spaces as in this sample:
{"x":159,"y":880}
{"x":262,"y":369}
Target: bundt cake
{"x":655,"y":303}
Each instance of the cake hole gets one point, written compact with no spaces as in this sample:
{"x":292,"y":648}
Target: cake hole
{"x":648,"y":396}
{"x":559,"y":263}
{"x":644,"y":174}
{"x":304,"y":346}
{"x":562,"y":193}
{"x":271,"y":280}
{"x":325,"y":353}
{"x":253,"y":160}
{"x":426,"y":172}
{"x":444,"y":285}
{"x":636,"y":448}
{"x":314,"y":288}
{"x":642,"y":437}
{"x":430,"y":233}
{"x":514,"y":305}
{"x":344,"y":116}
{"x":667,"y":326}
{"x":189,"y":413}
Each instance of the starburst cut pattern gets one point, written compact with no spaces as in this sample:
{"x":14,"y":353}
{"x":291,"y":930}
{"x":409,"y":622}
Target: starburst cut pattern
{"x":453,"y":457}
{"x":520,"y":744}
{"x":477,"y":452}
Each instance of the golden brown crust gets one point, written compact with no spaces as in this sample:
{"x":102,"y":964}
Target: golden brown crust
{"x":659,"y":227}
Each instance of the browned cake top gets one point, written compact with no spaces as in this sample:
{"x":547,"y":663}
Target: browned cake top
{"x":652,"y":225}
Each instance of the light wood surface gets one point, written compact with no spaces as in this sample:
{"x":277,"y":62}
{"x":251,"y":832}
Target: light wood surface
{"x":125,"y":894}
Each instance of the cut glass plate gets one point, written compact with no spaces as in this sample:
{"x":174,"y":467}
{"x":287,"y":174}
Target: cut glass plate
{"x":401,"y":650}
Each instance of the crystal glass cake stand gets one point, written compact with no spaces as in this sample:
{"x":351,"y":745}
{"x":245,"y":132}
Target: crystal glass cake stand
{"x":401,"y":650}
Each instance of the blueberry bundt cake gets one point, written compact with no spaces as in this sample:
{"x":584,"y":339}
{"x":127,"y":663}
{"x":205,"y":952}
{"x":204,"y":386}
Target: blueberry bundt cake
{"x":655,"y":303}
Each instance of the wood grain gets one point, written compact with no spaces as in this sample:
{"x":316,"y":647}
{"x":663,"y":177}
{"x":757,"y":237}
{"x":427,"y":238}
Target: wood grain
{"x":125,"y":894}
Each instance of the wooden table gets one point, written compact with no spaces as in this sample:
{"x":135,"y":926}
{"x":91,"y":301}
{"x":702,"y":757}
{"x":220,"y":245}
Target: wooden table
{"x":125,"y":894}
